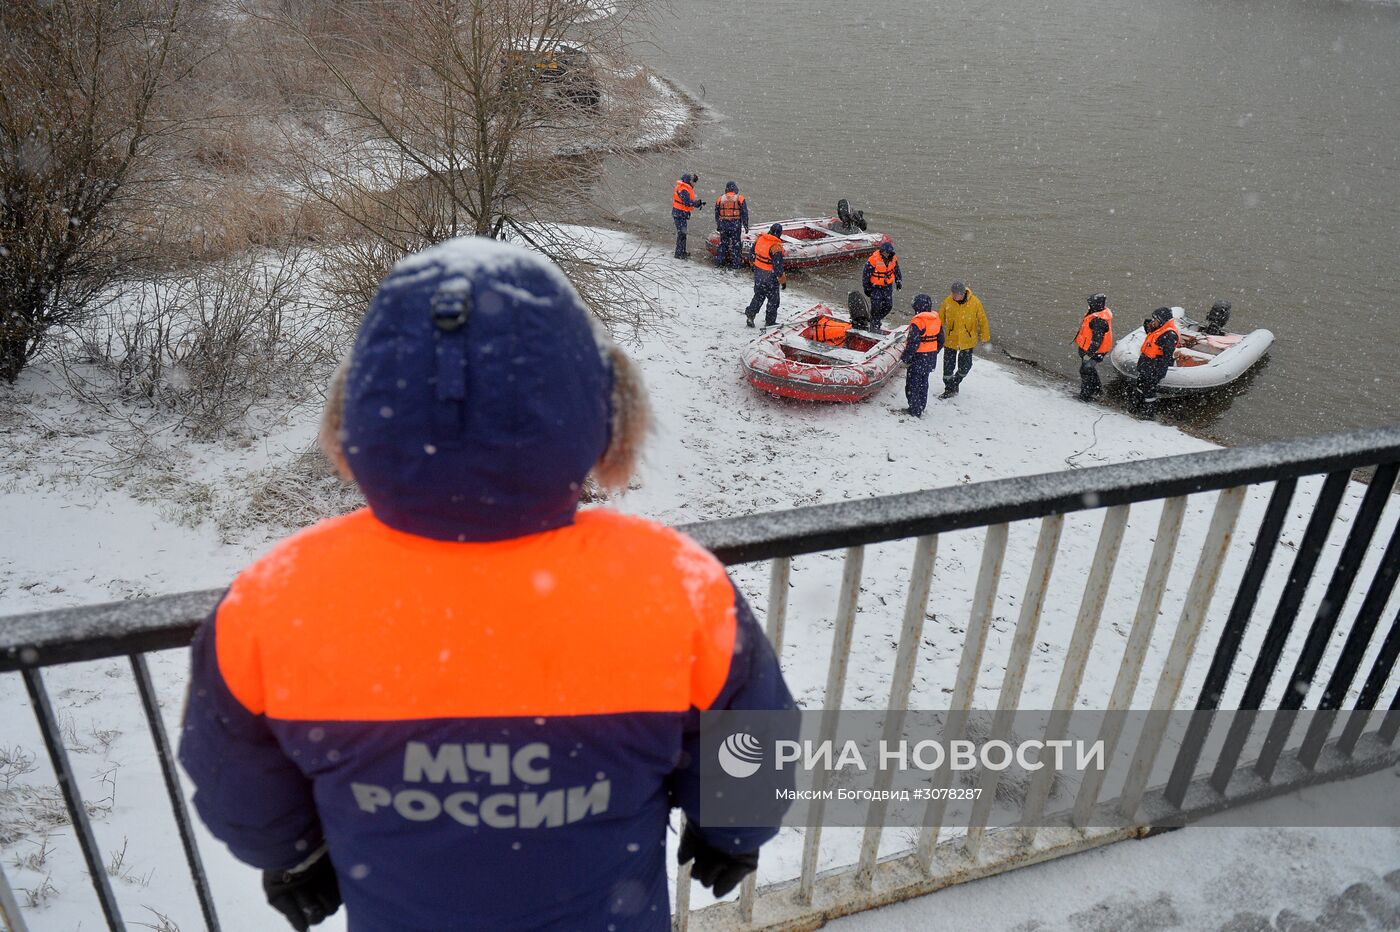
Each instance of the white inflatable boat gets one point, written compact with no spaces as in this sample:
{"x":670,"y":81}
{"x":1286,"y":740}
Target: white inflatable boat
{"x":1204,"y":360}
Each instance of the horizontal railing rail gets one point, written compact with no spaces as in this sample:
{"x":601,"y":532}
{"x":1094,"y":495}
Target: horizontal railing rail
{"x":30,"y":642}
{"x":115,"y":629}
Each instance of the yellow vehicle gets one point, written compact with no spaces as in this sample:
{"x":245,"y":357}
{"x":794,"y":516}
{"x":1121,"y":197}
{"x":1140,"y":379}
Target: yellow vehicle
{"x":553,"y":70}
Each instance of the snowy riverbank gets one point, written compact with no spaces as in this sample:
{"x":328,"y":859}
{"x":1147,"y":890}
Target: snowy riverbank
{"x":720,"y":449}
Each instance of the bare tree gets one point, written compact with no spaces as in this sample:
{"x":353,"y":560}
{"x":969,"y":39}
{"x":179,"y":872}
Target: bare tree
{"x":470,"y":117}
{"x":81,"y":84}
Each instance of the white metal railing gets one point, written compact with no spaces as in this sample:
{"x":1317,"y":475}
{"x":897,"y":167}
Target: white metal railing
{"x":863,"y":879}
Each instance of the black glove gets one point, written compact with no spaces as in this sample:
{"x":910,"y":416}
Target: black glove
{"x":699,"y":204}
{"x":719,"y":870}
{"x":306,"y":894}
{"x":898,"y":285}
{"x":866,"y":289}
{"x":782,"y":286}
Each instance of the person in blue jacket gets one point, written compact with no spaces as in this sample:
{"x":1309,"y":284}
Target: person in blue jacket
{"x":732,"y":220}
{"x":471,"y":705}
{"x":920,"y":352}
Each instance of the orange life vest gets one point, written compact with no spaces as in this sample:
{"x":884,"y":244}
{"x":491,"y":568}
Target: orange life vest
{"x":1150,"y":349}
{"x":677,"y":203}
{"x":882,"y":272}
{"x":1085,"y":339}
{"x":731,"y":206}
{"x":931,"y":325}
{"x":763,"y":251}
{"x":833,"y":331}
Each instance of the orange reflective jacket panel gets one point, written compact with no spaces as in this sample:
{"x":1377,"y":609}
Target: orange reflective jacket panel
{"x":351,"y":620}
{"x":882,"y":272}
{"x":731,"y":206}
{"x":763,"y":251}
{"x":1150,"y":349}
{"x":1085,"y":338}
{"x":931,"y":324}
{"x":677,"y":203}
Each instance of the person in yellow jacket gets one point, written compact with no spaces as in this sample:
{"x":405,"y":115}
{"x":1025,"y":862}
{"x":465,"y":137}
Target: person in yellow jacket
{"x":964,"y":326}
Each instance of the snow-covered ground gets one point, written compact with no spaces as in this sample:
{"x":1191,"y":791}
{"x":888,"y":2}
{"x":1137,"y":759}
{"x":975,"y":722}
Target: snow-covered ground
{"x":78,"y":530}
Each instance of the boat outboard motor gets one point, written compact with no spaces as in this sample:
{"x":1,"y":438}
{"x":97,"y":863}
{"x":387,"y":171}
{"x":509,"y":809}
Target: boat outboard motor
{"x":1217,"y":318}
{"x":851,"y":220}
{"x":859,"y":310}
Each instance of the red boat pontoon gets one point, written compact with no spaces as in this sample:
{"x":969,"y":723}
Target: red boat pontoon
{"x":810,"y":241}
{"x":790,"y":361}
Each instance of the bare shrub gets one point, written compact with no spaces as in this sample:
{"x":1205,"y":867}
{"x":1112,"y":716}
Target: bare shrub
{"x":455,"y":117}
{"x":82,"y":86}
{"x":210,"y":344}
{"x":15,"y":762}
{"x":34,"y":897}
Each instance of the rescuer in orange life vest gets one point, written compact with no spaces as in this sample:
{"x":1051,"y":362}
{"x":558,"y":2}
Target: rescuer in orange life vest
{"x":1095,"y":340}
{"x":921,"y":353}
{"x":682,"y":203}
{"x":1157,"y":355}
{"x":731,"y":219}
{"x":880,"y":279}
{"x":768,"y":275}
{"x":471,"y":705}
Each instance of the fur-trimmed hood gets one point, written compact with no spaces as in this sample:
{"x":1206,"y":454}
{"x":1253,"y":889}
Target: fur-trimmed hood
{"x":479,"y":395}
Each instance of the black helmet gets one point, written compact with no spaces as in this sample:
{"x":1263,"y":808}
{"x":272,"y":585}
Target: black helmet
{"x":1098,"y":301}
{"x":776,"y":229}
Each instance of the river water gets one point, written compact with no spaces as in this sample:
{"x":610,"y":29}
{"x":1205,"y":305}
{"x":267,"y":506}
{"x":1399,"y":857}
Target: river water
{"x":1160,"y":151}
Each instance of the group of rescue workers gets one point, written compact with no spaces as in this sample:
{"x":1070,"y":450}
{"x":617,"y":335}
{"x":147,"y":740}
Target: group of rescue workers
{"x":1095,"y":339}
{"x":421,"y":709}
{"x":958,"y":325}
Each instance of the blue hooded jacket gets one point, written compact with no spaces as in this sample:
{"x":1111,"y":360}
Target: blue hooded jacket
{"x":484,"y":703}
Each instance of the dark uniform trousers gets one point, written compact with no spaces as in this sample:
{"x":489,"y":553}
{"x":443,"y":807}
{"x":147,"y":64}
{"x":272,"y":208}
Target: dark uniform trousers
{"x":956,"y":365}
{"x":916,"y":381}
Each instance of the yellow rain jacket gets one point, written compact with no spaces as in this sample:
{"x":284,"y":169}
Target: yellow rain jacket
{"x":964,"y":325}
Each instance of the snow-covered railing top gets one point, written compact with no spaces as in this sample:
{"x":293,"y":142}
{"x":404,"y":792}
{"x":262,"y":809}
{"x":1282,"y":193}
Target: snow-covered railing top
{"x":915,"y":514}
{"x":115,"y":629}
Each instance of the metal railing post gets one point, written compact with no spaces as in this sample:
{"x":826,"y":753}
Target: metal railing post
{"x":1265,"y":542}
{"x":151,"y":706}
{"x":779,"y":573}
{"x":906,"y":658}
{"x":1371,"y":691}
{"x":72,"y":798}
{"x":965,"y":686}
{"x":1018,"y":661}
{"x":1188,"y":628}
{"x":1115,"y":520}
{"x":9,"y":908}
{"x":1363,"y":528}
{"x":846,"y":605}
{"x":1154,"y":587}
{"x":1276,"y":637}
{"x":1363,"y":626}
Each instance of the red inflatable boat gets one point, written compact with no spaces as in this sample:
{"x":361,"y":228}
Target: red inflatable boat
{"x":811,"y":241}
{"x":801,"y":359}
